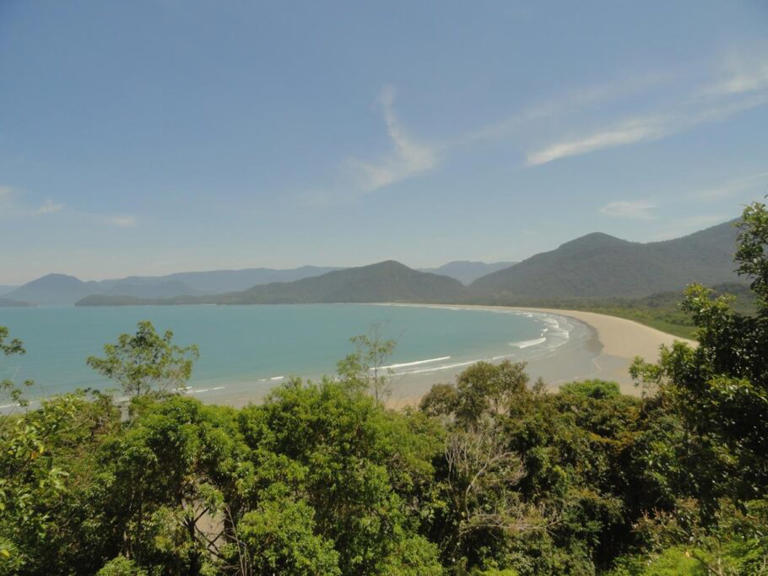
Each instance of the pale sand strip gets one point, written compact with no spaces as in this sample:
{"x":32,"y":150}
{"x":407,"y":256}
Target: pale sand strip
{"x":620,"y":337}
{"x":616,"y":343}
{"x":620,"y":341}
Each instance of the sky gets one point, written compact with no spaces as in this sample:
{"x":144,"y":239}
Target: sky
{"x":150,"y":137}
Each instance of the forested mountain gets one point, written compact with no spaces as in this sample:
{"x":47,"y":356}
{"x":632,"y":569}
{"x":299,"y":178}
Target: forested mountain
{"x":595,"y":266}
{"x":220,"y":281}
{"x":53,"y":290}
{"x":601,"y":266}
{"x":467,"y":271}
{"x":387,"y":281}
{"x":63,"y":290}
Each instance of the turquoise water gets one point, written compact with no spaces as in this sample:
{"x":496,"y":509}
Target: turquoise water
{"x":259,"y":346}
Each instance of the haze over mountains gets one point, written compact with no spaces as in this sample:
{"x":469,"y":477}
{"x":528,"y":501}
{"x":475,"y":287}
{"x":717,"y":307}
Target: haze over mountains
{"x":63,"y":290}
{"x":590,"y":267}
{"x":467,"y":271}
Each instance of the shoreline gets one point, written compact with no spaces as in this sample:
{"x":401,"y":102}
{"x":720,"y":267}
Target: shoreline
{"x":587,"y":345}
{"x":604,"y":348}
{"x":615,"y":342}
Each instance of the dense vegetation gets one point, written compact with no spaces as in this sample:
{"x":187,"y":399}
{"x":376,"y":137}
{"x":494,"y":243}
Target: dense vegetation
{"x":602,"y":266}
{"x":490,"y":476}
{"x":387,"y":281}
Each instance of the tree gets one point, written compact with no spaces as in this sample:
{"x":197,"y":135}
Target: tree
{"x":7,"y":386}
{"x":365,"y":366}
{"x":720,"y":388}
{"x":280,"y":538}
{"x":481,"y":389}
{"x":146,"y":362}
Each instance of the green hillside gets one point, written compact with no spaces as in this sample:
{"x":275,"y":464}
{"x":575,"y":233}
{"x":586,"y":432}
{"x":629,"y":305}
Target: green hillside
{"x":600,"y":266}
{"x":387,"y":281}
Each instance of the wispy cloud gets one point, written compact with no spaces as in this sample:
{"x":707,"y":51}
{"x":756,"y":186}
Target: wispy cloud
{"x":49,"y":207}
{"x":408,"y":157}
{"x":123,"y":221}
{"x":643,"y":129}
{"x":743,"y":86}
{"x":573,"y":100}
{"x":740,"y":74}
{"x":634,"y":210}
{"x":626,"y":132}
{"x":14,"y":204}
{"x":753,"y":182}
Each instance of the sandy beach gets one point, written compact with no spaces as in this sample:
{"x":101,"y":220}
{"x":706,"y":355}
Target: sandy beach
{"x":599,"y":346}
{"x":614,"y":344}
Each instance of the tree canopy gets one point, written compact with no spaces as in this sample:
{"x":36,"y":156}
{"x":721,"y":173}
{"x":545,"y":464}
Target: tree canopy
{"x":490,"y":476}
{"x":146,"y":361}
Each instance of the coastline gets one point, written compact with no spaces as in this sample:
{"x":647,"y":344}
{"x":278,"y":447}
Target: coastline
{"x":614,"y":343}
{"x":572,"y":345}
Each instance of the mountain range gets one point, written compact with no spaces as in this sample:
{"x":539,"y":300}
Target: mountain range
{"x":63,"y":290}
{"x":602,"y":266}
{"x":595,"y":266}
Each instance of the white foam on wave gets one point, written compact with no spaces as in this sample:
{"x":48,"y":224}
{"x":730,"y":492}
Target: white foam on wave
{"x":416,"y":363}
{"x":277,"y":378}
{"x":443,"y":367}
{"x":528,"y":343}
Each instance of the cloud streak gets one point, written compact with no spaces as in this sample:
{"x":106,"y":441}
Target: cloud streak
{"x":642,"y":129}
{"x":627,"y":132}
{"x":407,"y":159}
{"x":742,"y":87}
{"x":49,"y":207}
{"x":123,"y":221}
{"x":633,"y":210}
{"x":579,"y":98}
{"x":14,"y":207}
{"x":753,"y":182}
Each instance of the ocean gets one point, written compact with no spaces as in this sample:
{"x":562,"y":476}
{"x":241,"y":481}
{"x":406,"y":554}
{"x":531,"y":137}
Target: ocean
{"x":246,"y":350}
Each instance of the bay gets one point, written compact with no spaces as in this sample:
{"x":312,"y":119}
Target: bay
{"x":253,"y":348}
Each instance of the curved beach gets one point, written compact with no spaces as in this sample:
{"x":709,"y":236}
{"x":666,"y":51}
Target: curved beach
{"x":607,"y":354}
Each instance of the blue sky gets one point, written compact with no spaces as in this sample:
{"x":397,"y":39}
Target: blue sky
{"x":152,"y":137}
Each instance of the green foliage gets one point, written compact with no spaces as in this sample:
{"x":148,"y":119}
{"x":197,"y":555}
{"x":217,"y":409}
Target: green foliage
{"x":146,"y":361}
{"x":482,"y":389}
{"x":280,"y":539}
{"x":720,"y":388}
{"x":8,"y":388}
{"x":596,"y":389}
{"x":365,"y":366}
{"x":121,"y":566}
{"x":491,"y":477}
{"x":752,"y":255}
{"x":738,"y":547}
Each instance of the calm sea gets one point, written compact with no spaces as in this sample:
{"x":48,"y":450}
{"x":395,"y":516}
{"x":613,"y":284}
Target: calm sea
{"x":259,"y":346}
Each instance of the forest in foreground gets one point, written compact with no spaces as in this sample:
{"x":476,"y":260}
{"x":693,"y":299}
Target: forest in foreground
{"x":490,"y":475}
